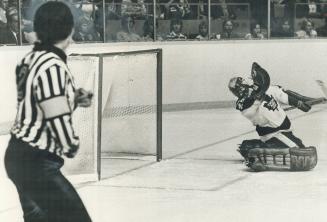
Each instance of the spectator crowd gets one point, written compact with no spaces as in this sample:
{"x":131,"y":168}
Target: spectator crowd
{"x":173,"y":20}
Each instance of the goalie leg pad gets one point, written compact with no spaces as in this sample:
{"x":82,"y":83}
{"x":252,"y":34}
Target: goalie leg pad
{"x":261,"y":159}
{"x":294,"y":159}
{"x":303,"y":159}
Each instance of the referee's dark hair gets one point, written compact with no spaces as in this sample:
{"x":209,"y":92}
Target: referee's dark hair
{"x":53,"y":22}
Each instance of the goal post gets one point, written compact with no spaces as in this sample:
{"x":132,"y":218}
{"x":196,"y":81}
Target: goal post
{"x":125,"y":118}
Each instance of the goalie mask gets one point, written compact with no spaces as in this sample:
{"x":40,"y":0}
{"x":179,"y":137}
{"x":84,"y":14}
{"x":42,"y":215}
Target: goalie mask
{"x":239,"y":87}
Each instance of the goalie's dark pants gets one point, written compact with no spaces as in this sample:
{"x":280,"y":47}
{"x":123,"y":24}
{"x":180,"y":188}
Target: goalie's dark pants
{"x":45,"y":194}
{"x":281,"y":140}
{"x":284,"y":140}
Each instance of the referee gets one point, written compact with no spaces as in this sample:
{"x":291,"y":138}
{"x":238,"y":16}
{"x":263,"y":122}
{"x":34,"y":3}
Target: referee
{"x":43,"y":131}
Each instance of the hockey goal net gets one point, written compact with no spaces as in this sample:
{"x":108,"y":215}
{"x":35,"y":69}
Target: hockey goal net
{"x":125,"y":116}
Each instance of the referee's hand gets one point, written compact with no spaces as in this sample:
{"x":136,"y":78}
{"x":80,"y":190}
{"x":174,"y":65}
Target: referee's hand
{"x":83,"y":98}
{"x":72,"y":152}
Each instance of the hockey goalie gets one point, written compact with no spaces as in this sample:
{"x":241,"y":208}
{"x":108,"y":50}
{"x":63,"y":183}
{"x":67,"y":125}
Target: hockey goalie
{"x":278,"y":148}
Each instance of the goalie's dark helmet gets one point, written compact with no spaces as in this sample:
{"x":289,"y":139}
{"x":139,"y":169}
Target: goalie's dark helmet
{"x":238,"y":87}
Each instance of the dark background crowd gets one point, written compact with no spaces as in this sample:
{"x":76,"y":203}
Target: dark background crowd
{"x":173,"y":20}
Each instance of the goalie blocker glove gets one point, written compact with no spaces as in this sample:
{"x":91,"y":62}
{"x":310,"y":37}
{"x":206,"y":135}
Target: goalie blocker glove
{"x":299,"y":101}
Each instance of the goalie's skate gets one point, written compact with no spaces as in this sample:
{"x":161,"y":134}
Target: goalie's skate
{"x":258,"y":166}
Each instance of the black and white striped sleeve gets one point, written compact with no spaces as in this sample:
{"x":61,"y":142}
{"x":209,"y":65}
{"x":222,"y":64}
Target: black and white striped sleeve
{"x":51,"y":94}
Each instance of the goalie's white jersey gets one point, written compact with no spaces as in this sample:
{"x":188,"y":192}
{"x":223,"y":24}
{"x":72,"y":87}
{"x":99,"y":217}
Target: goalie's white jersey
{"x":267,"y":115}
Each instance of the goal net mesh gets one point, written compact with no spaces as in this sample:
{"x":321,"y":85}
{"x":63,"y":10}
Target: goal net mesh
{"x":86,"y":74}
{"x":129,"y":105}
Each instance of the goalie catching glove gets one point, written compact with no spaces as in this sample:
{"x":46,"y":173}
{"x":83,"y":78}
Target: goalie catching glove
{"x":261,"y":80}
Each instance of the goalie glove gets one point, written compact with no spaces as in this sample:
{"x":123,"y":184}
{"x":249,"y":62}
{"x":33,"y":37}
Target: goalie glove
{"x":261,"y":80}
{"x":303,"y":106}
{"x":297,"y":100}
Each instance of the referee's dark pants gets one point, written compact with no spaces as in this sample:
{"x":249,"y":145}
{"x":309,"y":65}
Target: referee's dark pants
{"x":45,"y":194}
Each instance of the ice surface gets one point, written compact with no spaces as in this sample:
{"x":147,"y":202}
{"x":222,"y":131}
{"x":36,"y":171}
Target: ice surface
{"x":202,"y":177}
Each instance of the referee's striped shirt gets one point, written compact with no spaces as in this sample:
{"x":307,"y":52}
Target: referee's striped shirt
{"x":45,"y":92}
